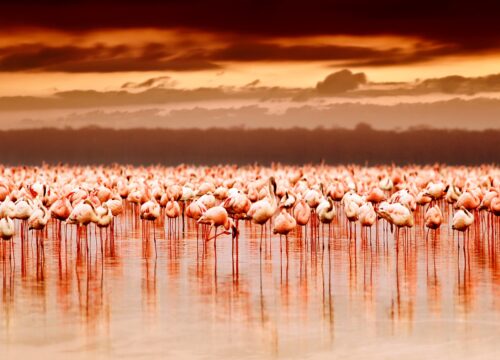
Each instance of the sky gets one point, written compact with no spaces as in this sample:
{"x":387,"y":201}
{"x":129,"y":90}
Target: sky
{"x":183,"y":63}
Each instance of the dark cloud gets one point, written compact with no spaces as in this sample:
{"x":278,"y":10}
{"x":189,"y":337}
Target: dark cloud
{"x":98,"y":58}
{"x":472,"y":25}
{"x":455,"y":84}
{"x":461,"y":85}
{"x":160,"y":81}
{"x":399,"y":57}
{"x":167,"y":56}
{"x":274,"y":52}
{"x":348,"y":55}
{"x":91,"y":98}
{"x":158,"y":56}
{"x":38,"y":56}
{"x":340,"y":82}
{"x":252,"y":83}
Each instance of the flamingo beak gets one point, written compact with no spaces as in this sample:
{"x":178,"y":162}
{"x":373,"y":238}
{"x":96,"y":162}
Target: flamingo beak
{"x":234,"y":231}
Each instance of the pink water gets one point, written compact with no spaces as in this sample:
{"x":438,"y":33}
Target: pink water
{"x":409,"y":299}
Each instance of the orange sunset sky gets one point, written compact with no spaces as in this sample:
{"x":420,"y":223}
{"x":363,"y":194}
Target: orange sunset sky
{"x":249,"y":63}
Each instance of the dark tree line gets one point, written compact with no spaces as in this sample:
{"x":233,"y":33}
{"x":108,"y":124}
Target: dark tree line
{"x":362,"y":145}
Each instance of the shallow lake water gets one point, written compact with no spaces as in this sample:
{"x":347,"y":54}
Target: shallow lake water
{"x":314,"y":297}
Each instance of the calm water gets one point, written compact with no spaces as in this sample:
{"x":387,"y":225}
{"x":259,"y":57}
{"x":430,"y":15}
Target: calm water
{"x":384,"y":300}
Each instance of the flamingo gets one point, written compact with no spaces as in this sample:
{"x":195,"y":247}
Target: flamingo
{"x":423,"y":198}
{"x":367,"y":215}
{"x":6,"y":228}
{"x":397,"y":214}
{"x":433,"y":217}
{"x":82,"y":195}
{"x":288,"y":200}
{"x":174,"y":192}
{"x":326,"y":212}
{"x":404,"y":197}
{"x":375,"y":196}
{"x":172,"y":210}
{"x":61,"y":209}
{"x":467,"y":200}
{"x":7,"y":208}
{"x":436,"y":191}
{"x":221,"y":193}
{"x":487,"y":199}
{"x":195,"y":210}
{"x":302,"y":213}
{"x":491,"y":204}
{"x":462,"y":219}
{"x":237,"y":205}
{"x":283,"y":224}
{"x":23,"y":208}
{"x":336,"y":191}
{"x":7,"y":233}
{"x":495,"y":206}
{"x":351,"y":209}
{"x":4,"y":189}
{"x":208,"y":200}
{"x":103,"y":194}
{"x":263,"y":210}
{"x":217,"y":216}
{"x":150,"y":211}
{"x":104,"y":219}
{"x":82,"y":215}
{"x":115,"y":204}
{"x":123,"y":188}
{"x":313,"y":198}
{"x":452,"y":194}
{"x":39,"y":218}
{"x":386,"y":184}
{"x":187,"y":194}
{"x":49,"y":197}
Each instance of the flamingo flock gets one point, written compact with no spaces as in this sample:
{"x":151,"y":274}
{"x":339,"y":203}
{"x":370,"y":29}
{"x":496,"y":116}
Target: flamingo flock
{"x":278,"y":199}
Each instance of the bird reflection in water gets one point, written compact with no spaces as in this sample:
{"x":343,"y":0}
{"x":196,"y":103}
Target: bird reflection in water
{"x":320,"y":282}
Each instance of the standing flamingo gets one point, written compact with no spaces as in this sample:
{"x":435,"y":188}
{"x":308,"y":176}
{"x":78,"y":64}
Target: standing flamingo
{"x":283,"y":224}
{"x":433,"y":217}
{"x":215,"y":217}
{"x":150,"y":211}
{"x":326,"y":212}
{"x":302,"y":213}
{"x":263,"y":210}
{"x":6,"y":228}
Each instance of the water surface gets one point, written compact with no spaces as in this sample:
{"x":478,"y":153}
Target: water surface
{"x":373,"y":298}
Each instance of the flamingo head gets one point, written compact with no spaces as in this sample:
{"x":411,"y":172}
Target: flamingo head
{"x":231,"y":225}
{"x":32,"y":191}
{"x":203,"y":220}
{"x":272,"y":183}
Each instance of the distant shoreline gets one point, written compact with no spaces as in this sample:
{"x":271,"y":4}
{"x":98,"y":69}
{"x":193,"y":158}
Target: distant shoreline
{"x":363,"y":145}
